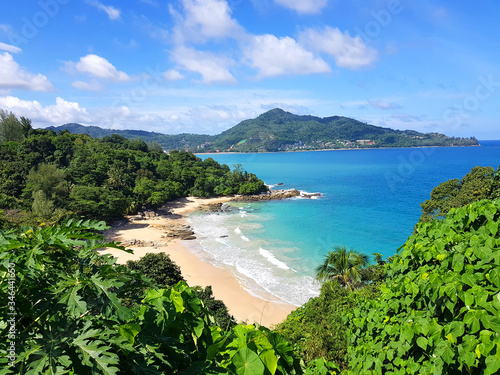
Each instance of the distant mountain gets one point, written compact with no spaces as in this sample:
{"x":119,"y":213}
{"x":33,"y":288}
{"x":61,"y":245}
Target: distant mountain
{"x":277,"y":130}
{"x":168,"y":142}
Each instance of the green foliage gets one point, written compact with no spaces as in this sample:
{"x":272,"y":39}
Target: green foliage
{"x":215,"y":307}
{"x":343,"y":266}
{"x":69,"y":317}
{"x":317,"y":328}
{"x":11,"y":129}
{"x":439,"y":312}
{"x":163,"y":273}
{"x":479,"y":183}
{"x":103,"y":178}
{"x":159,"y":268}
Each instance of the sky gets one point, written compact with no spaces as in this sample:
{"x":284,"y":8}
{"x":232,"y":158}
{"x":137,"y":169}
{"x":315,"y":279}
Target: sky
{"x":202,"y":66}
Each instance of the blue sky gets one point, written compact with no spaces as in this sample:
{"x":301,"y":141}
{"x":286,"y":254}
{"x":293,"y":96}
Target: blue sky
{"x":202,"y":66}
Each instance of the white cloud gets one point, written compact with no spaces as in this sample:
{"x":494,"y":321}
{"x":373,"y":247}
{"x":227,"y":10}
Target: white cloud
{"x":205,"y":19}
{"x":112,"y":12}
{"x":274,"y":57}
{"x":304,"y":6}
{"x":173,"y":75}
{"x":87,"y":86}
{"x":10,"y":48}
{"x":59,"y":113}
{"x":12,"y":76}
{"x":349,"y":52}
{"x":213,"y":68}
{"x":383,"y":104}
{"x":98,"y":67}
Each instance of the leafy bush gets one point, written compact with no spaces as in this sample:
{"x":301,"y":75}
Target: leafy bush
{"x":159,"y":268}
{"x":440,"y":310}
{"x":164,"y":273}
{"x":317,"y":328}
{"x":215,"y":307}
{"x":63,"y":313}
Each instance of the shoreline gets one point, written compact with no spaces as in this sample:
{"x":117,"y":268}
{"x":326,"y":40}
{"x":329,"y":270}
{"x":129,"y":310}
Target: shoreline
{"x":328,"y":149}
{"x":145,"y":236}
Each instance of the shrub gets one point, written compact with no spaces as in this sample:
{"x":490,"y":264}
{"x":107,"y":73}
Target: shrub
{"x":440,"y":310}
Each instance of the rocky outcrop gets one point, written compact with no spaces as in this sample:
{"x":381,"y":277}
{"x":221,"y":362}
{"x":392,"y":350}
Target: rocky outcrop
{"x":269,"y":196}
{"x":175,"y":231}
{"x":214,"y":208}
{"x":142,"y":243}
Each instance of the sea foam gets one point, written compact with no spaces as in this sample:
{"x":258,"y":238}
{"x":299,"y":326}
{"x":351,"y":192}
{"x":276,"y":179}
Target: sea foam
{"x":222,"y":239}
{"x":272,"y":259}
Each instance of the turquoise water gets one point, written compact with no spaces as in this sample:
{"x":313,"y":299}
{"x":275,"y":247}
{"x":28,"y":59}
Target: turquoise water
{"x":370,"y":202}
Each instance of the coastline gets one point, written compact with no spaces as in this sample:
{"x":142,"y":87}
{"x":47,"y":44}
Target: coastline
{"x":147,"y":236}
{"x":328,"y":149}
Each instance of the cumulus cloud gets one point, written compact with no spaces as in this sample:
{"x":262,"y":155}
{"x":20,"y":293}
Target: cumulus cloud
{"x":205,"y":19}
{"x":10,"y":48}
{"x":96,"y":66}
{"x":304,"y":6}
{"x":12,"y":76}
{"x":273,"y":56}
{"x":87,"y":86}
{"x":173,"y":75}
{"x":112,"y":12}
{"x":213,"y":68}
{"x":349,"y":52}
{"x":57,"y":114}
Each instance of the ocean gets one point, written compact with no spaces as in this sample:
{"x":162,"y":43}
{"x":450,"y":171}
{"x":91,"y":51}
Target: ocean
{"x":370,"y":202}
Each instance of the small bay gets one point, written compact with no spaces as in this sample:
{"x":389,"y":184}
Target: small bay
{"x":370,"y":202}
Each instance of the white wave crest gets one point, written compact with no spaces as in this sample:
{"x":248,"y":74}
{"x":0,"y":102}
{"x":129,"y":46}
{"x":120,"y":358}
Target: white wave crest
{"x":272,"y":259}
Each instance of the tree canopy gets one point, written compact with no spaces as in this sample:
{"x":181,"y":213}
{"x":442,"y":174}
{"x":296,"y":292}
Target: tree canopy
{"x":479,"y":183}
{"x":343,"y":266}
{"x":46,"y":175}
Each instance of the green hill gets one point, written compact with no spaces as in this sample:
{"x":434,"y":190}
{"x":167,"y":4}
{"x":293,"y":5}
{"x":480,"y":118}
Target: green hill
{"x":277,"y":130}
{"x":168,"y":142}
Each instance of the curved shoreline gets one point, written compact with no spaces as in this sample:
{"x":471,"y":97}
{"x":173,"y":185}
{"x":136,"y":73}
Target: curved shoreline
{"x":147,"y":236}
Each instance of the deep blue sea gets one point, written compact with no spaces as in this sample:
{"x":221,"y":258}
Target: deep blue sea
{"x":370,"y":202}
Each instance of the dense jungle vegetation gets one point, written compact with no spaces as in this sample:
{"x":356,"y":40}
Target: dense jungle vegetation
{"x":46,"y":174}
{"x":433,"y":308}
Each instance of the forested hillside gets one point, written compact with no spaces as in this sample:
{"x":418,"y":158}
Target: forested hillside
{"x":47,"y":174}
{"x":277,"y":130}
{"x":181,"y":142}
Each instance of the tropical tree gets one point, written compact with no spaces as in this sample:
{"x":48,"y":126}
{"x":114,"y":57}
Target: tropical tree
{"x":342,"y":265}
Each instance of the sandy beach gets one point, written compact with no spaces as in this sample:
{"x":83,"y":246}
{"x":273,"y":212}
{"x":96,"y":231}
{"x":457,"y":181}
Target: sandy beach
{"x":225,"y":286}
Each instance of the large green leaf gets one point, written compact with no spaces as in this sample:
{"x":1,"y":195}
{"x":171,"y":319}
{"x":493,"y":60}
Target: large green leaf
{"x":104,"y":286}
{"x":247,"y":362}
{"x":95,"y":352}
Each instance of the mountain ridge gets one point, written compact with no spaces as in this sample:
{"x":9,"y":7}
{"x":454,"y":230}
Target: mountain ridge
{"x":278,"y":130}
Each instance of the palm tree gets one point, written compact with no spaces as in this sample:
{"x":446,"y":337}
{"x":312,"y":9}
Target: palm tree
{"x":342,"y":265}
